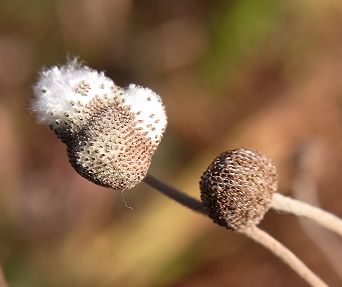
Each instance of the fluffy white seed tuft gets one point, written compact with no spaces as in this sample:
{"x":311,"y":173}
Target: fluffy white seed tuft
{"x":148,"y":109}
{"x":60,"y":88}
{"x":61,"y":92}
{"x":111,"y":133}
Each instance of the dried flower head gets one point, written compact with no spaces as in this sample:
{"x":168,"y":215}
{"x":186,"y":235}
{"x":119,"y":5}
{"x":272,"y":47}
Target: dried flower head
{"x":237,"y":188}
{"x":111,"y":133}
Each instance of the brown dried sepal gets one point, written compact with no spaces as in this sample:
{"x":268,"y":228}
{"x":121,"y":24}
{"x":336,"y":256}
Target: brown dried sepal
{"x":237,"y":188}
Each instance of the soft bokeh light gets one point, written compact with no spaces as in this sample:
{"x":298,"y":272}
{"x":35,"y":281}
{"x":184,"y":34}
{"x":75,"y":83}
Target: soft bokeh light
{"x":259,"y":74}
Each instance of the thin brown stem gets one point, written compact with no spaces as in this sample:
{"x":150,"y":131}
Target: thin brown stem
{"x":299,"y":208}
{"x":254,"y":232}
{"x":175,"y":194}
{"x":285,"y":255}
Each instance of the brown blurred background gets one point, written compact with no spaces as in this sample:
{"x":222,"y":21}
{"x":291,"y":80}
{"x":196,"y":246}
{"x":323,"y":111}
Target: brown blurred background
{"x":242,"y":73}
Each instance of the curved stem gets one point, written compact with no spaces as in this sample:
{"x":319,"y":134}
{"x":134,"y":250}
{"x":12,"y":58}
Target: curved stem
{"x":254,"y":232}
{"x":285,"y":255}
{"x":322,"y":217}
{"x":173,"y":193}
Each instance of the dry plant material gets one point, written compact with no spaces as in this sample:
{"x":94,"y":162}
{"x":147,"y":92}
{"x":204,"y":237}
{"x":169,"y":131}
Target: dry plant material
{"x":111,"y":134}
{"x":237,"y":188}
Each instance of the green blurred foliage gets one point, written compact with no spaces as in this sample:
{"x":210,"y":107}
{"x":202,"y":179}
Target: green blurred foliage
{"x":239,"y":30}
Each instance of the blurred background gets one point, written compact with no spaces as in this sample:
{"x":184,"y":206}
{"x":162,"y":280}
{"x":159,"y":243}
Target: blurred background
{"x":241,"y":73}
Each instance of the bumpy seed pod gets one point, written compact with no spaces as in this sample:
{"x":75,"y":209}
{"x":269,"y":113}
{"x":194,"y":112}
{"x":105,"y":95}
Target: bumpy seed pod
{"x":237,"y":188}
{"x":111,"y":133}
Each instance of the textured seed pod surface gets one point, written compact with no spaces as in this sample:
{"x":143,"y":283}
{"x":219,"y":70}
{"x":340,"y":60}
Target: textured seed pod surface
{"x":237,"y":188}
{"x":110,"y":132}
{"x":110,"y":150}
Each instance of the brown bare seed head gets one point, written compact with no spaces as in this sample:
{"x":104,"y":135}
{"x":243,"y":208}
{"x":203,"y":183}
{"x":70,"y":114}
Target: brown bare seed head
{"x":237,"y":188}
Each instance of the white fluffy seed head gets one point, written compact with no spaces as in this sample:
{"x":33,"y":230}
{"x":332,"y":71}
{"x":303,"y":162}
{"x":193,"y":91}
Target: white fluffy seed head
{"x":62,"y":92}
{"x":149,"y":110}
{"x":59,"y":89}
{"x":111,"y":133}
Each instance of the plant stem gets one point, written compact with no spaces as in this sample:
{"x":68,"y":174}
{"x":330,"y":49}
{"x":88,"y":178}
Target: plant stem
{"x":285,"y":255}
{"x":254,"y":232}
{"x":175,"y":194}
{"x":299,"y":208}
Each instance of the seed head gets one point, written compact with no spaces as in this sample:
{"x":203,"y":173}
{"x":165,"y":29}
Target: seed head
{"x":111,"y":133}
{"x":237,"y":188}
